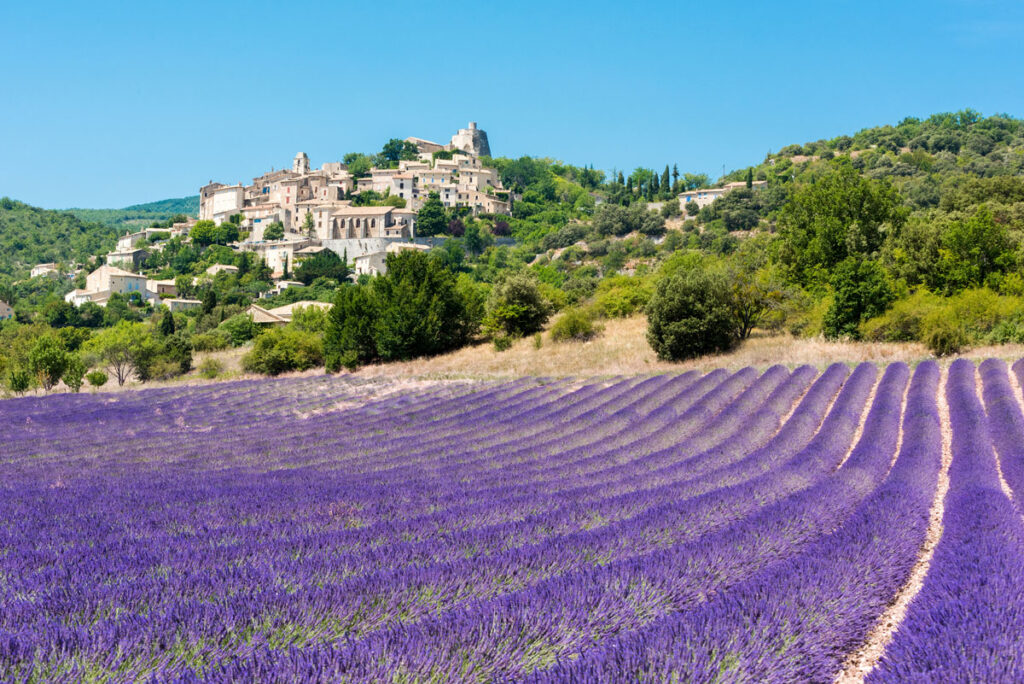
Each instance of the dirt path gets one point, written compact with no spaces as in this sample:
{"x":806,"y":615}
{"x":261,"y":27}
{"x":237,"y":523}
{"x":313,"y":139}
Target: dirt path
{"x":864,"y":659}
{"x":863,"y":419}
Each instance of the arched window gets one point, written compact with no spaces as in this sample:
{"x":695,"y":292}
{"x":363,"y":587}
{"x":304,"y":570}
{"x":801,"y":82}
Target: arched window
{"x":373,"y":223}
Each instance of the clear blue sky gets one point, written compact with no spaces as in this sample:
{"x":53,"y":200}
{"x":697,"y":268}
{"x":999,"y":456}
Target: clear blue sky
{"x":105,"y":105}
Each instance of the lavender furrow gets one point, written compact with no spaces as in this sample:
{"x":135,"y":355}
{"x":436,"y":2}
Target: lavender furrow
{"x":972,"y":594}
{"x":797,"y":619}
{"x":858,"y":389}
{"x":1006,"y":426}
{"x":528,"y":629}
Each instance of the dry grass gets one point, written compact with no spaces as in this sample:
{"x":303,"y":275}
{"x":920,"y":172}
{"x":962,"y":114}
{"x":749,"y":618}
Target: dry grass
{"x":623,"y":350}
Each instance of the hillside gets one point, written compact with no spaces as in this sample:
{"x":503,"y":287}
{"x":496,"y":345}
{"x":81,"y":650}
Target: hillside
{"x":29,"y":235}
{"x":140,"y":215}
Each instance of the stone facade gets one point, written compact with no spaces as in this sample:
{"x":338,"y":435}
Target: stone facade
{"x":325,"y":195}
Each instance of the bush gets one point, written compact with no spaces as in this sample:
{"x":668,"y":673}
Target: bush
{"x":621,"y":296}
{"x":942,"y":336}
{"x":238,"y":329}
{"x":96,"y":378}
{"x":538,"y":341}
{"x":280,"y":350}
{"x":503,"y":342}
{"x":211,"y":368}
{"x":19,"y":380}
{"x":212,"y":341}
{"x":901,"y":323}
{"x":516,"y":306}
{"x":74,"y":371}
{"x":574,"y":324}
{"x":689,"y":315}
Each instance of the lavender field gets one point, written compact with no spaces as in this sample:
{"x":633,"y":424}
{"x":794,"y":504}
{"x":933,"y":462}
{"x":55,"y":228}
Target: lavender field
{"x":785,"y":526}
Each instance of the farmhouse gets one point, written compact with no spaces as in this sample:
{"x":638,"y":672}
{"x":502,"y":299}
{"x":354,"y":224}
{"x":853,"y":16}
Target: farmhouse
{"x":282,"y":315}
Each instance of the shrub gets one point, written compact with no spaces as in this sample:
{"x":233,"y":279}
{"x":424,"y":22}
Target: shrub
{"x":19,"y":380}
{"x":280,"y":350}
{"x":211,"y":368}
{"x":74,"y":371}
{"x":621,"y":296}
{"x":516,"y":306}
{"x":574,"y":324}
{"x":690,"y":315}
{"x":238,"y":329}
{"x":503,"y":342}
{"x":96,"y":378}
{"x":212,"y":341}
{"x":942,"y":336}
{"x":538,"y":341}
{"x":901,"y":323}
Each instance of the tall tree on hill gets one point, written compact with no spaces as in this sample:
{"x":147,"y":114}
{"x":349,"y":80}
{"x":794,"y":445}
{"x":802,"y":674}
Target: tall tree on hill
{"x":675,"y":175}
{"x":307,"y":224}
{"x":665,"y":187}
{"x":431,"y":219}
{"x":750,"y":178}
{"x":841,"y":215}
{"x":622,"y":179}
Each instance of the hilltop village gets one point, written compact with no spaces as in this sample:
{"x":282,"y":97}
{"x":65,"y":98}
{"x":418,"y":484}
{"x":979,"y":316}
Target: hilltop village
{"x":360,"y":215}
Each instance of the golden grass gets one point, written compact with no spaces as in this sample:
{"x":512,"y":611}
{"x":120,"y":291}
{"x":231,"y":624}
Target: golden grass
{"x":622,"y":349}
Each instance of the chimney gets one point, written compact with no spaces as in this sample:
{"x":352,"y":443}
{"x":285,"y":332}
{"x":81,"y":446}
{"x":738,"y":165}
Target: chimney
{"x":472,"y":125}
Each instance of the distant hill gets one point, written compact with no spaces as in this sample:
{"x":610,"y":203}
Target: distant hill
{"x":30,"y":235}
{"x":140,"y":215}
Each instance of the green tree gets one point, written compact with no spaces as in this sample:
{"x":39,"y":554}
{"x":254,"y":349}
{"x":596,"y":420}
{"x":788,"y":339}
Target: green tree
{"x":166,"y":324}
{"x":358,"y":164}
{"x":750,"y":178}
{"x":308,"y":225}
{"x":349,"y":338}
{"x":275,"y":231}
{"x":324,"y":264}
{"x":204,"y":233}
{"x":395,"y":150}
{"x":516,"y":306}
{"x":48,"y":360}
{"x":431,"y":219}
{"x":839,"y":216}
{"x":861,"y":290}
{"x":973,"y":250}
{"x":419,"y":311}
{"x":120,"y":347}
{"x":74,"y":372}
{"x":690,"y":314}
{"x":664,"y":185}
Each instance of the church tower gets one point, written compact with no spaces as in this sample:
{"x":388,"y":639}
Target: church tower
{"x":300,"y":164}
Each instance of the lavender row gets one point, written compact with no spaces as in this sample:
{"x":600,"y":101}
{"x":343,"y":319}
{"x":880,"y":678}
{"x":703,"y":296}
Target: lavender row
{"x":799,"y":618}
{"x":300,"y":602}
{"x":965,"y":623}
{"x":529,"y":628}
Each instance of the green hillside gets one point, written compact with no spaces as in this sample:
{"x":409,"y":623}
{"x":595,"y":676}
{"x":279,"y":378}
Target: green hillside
{"x":141,"y":215}
{"x":29,"y":235}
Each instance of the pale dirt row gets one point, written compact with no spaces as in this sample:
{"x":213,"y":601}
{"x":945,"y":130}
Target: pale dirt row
{"x":860,"y":663}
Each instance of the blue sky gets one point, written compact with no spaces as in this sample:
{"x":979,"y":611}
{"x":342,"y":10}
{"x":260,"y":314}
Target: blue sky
{"x":110,"y":104}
